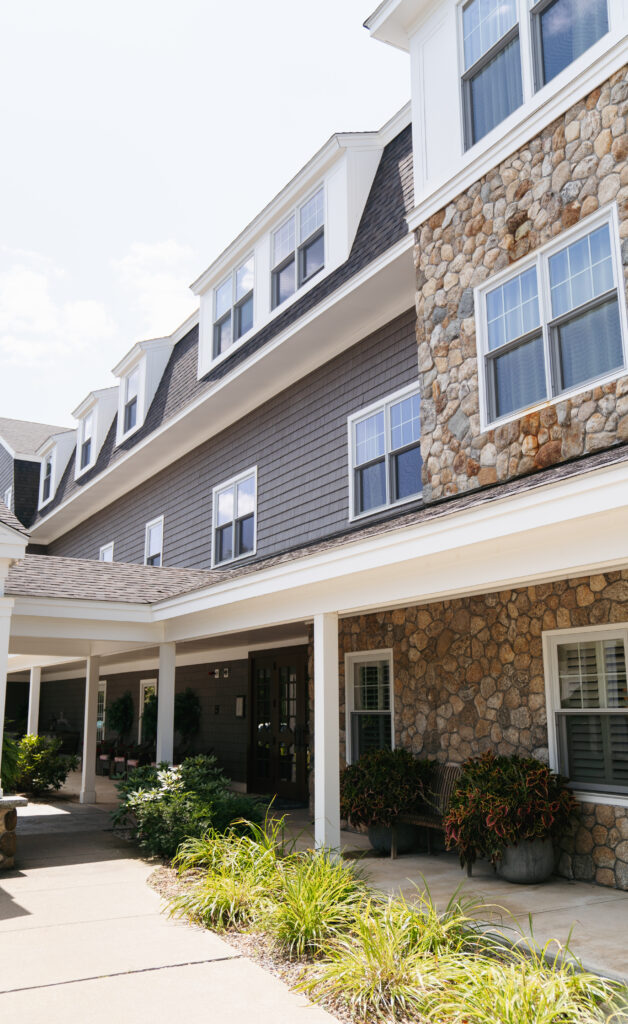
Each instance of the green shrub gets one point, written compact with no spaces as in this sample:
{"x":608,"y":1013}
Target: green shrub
{"x":383,"y":785}
{"x":40,"y":767}
{"x":8,"y":780}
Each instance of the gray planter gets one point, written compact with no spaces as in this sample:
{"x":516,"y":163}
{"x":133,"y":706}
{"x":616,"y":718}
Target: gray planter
{"x":529,"y":862}
{"x":380,"y":838}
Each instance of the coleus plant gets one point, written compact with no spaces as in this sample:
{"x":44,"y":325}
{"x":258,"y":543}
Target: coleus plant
{"x":383,"y":785}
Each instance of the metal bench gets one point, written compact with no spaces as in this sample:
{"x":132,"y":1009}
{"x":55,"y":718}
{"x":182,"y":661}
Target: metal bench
{"x":444,"y":782}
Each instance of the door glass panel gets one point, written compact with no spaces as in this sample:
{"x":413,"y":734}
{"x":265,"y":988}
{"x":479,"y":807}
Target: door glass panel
{"x":263,"y":722}
{"x":287,"y":724}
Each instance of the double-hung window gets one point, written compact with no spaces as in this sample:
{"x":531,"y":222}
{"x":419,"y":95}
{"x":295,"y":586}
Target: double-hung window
{"x":87,"y":431}
{"x":131,"y":390}
{"x":233,"y":307}
{"x":298,"y":248}
{"x":385,"y":451}
{"x":556,"y":325}
{"x":589,"y":699}
{"x":8,"y":496}
{"x":234,"y":510}
{"x":562,"y":30}
{"x":368,"y":694}
{"x":46,"y":479}
{"x":491,"y":80}
{"x":154,"y":542}
{"x":106,"y":553}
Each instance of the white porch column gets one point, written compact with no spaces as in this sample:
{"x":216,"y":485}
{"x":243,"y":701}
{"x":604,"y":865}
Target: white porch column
{"x":88,"y":781}
{"x":165,"y":703}
{"x":6,"y":607}
{"x":326,"y":732}
{"x":32,"y":725}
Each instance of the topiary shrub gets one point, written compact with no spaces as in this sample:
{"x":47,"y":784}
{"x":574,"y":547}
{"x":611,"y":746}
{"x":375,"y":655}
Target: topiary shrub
{"x":383,"y":785}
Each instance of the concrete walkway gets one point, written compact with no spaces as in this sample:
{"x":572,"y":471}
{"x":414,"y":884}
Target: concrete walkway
{"x":82,"y":938}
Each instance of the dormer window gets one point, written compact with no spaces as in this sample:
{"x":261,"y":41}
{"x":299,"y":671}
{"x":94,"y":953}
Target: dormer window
{"x":87,"y":433}
{"x":298,"y":248}
{"x":46,"y":485}
{"x":233,"y":307}
{"x":131,"y":389}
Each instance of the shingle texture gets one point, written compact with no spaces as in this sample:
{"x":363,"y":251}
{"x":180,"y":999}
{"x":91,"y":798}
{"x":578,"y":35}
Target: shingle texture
{"x":7,"y":518}
{"x":25,"y":437}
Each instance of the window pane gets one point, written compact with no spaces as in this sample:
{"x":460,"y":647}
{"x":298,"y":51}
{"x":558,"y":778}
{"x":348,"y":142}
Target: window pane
{"x":590,"y":344}
{"x":512,"y":309}
{"x":371,"y":487}
{"x":132,"y":383}
{"x":371,"y":686}
{"x":244,"y":279}
{"x":578,"y":675}
{"x":581,"y":271}
{"x":224,"y":512}
{"x":311,"y":216}
{"x":224,"y":543}
{"x":370,"y":732}
{"x":370,"y":440}
{"x":520,"y":377}
{"x":568,"y":28}
{"x":483,"y":23}
{"x":246,"y":496}
{"x":405,"y":422}
{"x":86,"y":453}
{"x":154,"y":539}
{"x":223,"y":298}
{"x":244,"y":317}
{"x":585,"y":748}
{"x":496,"y":90}
{"x":312,"y":257}
{"x":130,"y":415}
{"x":407,"y":474}
{"x":223,"y":338}
{"x":284,"y":283}
{"x":283,"y":241}
{"x":246,"y":535}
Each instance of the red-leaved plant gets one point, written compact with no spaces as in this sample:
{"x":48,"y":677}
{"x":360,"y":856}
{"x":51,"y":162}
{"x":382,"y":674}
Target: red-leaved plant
{"x":500,"y":801}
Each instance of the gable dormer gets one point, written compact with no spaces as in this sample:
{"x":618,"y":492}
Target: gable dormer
{"x":303,"y":235}
{"x":94,"y":417}
{"x":139,"y":374}
{"x":54,"y":454}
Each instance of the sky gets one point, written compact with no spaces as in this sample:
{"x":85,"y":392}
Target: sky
{"x":139,"y":137}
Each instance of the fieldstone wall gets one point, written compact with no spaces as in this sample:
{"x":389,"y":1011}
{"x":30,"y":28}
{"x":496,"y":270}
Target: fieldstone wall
{"x":469,"y":677}
{"x":577,"y":164}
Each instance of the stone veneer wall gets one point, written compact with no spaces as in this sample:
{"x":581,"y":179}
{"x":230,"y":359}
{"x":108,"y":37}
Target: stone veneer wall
{"x":575,"y":165}
{"x":469,"y":677}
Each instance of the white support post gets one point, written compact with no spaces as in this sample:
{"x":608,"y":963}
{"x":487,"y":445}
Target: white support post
{"x":326,"y":732}
{"x":6,"y":607}
{"x":88,"y":780}
{"x":165,"y":703}
{"x":32,"y":724}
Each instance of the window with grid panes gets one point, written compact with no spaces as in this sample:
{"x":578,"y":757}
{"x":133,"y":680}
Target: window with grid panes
{"x":131,"y":388}
{"x":233,"y":307}
{"x":491,"y":81}
{"x":154,"y":542}
{"x":87,"y":428}
{"x":371,"y":718}
{"x":298,"y":249}
{"x":386,"y":454}
{"x":234,"y":518}
{"x":562,"y":30}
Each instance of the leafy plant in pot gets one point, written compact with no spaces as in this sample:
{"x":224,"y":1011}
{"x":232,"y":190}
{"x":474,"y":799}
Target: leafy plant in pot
{"x":379,"y":789}
{"x":510,"y":810}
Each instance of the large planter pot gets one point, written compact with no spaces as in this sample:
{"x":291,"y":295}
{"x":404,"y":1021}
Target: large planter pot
{"x":531,"y":861}
{"x":380,"y":837}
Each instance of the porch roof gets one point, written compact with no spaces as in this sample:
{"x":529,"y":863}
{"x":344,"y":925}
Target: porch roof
{"x":8,"y":518}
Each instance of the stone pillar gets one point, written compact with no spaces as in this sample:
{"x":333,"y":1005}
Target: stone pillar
{"x":32,"y":725}
{"x":8,"y":824}
{"x":88,"y":781}
{"x":326,"y":732}
{"x":165,"y":703}
{"x":6,"y":607}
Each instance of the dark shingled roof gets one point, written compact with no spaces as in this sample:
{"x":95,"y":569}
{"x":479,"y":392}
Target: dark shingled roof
{"x":25,"y":437}
{"x":383,"y":224}
{"x":82,"y":579}
{"x":7,"y":518}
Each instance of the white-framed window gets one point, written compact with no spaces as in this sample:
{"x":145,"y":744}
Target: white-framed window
{"x":233,"y":307}
{"x":556,"y":323}
{"x":131,"y":385}
{"x":154,"y":542}
{"x":561,"y":31}
{"x":86,"y":441}
{"x":8,"y":497}
{"x":385,"y":453}
{"x":587,"y":703}
{"x":148,"y":690}
{"x":298,"y":248}
{"x":106,"y":553}
{"x":369,"y":702}
{"x":234,"y":506}
{"x":47,"y":475}
{"x":101,"y":710}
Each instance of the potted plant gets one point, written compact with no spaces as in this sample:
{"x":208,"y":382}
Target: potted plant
{"x":509,"y":809}
{"x":379,"y":789}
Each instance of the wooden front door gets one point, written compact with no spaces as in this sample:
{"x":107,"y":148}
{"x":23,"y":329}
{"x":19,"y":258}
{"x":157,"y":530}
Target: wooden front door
{"x":278,"y":749}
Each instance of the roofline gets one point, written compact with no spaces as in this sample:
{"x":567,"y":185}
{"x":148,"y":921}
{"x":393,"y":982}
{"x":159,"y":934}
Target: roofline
{"x":167,"y":339}
{"x":27,"y":456}
{"x":91,"y":398}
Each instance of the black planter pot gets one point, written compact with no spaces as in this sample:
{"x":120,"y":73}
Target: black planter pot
{"x":380,"y":838}
{"x":527,"y":863}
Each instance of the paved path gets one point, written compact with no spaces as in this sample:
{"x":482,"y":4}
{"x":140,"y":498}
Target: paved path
{"x":83,"y":939}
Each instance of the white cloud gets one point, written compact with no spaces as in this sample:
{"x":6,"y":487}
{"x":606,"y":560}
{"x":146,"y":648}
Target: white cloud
{"x":155,"y":277}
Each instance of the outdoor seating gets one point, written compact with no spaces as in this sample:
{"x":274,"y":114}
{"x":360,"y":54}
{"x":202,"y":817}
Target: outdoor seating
{"x":444,"y":782}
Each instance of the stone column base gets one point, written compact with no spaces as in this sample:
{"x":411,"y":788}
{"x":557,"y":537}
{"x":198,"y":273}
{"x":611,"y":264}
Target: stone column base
{"x":8,"y":823}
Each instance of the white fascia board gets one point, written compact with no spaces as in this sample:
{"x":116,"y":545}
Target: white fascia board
{"x":545,"y":106}
{"x":384,"y":289}
{"x":141,"y":348}
{"x":63,"y":438}
{"x":392,"y":22}
{"x":91,"y":400}
{"x":82,"y":609}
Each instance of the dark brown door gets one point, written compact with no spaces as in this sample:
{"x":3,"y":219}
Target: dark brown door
{"x":278,"y":751}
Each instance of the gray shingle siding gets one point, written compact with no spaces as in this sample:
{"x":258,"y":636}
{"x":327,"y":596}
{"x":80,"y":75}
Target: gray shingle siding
{"x":26,"y":491}
{"x":297,"y":440}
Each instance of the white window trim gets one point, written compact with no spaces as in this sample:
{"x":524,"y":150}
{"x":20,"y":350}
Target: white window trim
{"x":215,"y":360}
{"x":140,"y":366}
{"x":102,"y":688}
{"x":605,"y":215}
{"x":353,"y":658}
{"x":252,"y":471}
{"x":8,"y":497}
{"x":154,"y":522}
{"x":405,"y":392}
{"x":78,"y":469}
{"x":52,"y":455}
{"x":299,"y":289}
{"x":144,"y":685}
{"x":551,"y":641}
{"x":105,"y":547}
